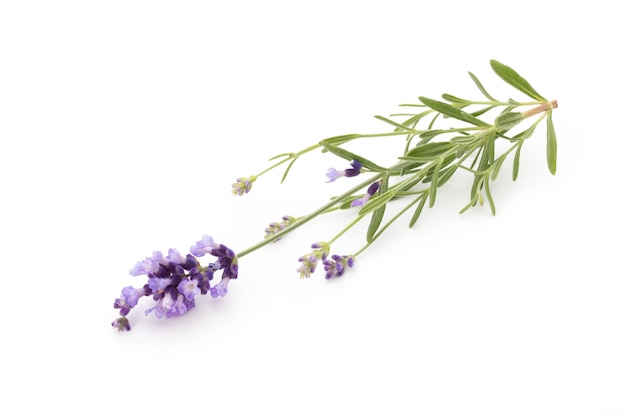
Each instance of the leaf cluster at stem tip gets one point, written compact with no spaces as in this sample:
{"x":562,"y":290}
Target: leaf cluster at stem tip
{"x":438,"y":139}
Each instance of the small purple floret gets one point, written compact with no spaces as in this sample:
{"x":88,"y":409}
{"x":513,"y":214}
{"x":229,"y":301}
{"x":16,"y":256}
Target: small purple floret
{"x":189,"y":288}
{"x":337,"y":265}
{"x":204,"y":246}
{"x":131,"y":295}
{"x":333,"y":174}
{"x":371,"y":190}
{"x":220,"y":289}
{"x":158,"y":284}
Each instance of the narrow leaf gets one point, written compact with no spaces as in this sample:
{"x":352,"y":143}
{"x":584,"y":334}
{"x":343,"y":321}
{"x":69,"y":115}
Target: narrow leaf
{"x":434,"y":184}
{"x":495,"y":168}
{"x":288,"y":168}
{"x":418,"y":210}
{"x":391,"y":122}
{"x":492,"y":205}
{"x":551,"y":145}
{"x":451,"y":111}
{"x":454,"y":99}
{"x":482,"y":111}
{"x":351,"y":156}
{"x":430,"y":150}
{"x":518,"y":152}
{"x":480,"y":87}
{"x":377,"y":218}
{"x":510,"y":76}
{"x":341,"y":139}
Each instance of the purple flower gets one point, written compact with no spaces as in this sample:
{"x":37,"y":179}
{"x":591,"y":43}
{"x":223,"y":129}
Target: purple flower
{"x":204,"y":246}
{"x":227,"y":261}
{"x":309,"y":261}
{"x":121,"y":324}
{"x":128,"y":299}
{"x":131,"y":295}
{"x":158,"y":284}
{"x":336,"y":266}
{"x":276,"y":227}
{"x":189,"y":288}
{"x":371,"y":190}
{"x":175,"y":280}
{"x":220,"y":289}
{"x":177,"y":308}
{"x":148,"y":265}
{"x":174,"y":256}
{"x":243,"y":185}
{"x":333,"y":174}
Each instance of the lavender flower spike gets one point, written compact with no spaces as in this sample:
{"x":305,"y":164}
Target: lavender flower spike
{"x":309,"y":261}
{"x":175,"y":280}
{"x":243,"y":185}
{"x":337,"y":265}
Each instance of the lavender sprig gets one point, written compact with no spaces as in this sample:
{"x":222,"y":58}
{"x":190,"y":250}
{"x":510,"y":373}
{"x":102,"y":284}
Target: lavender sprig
{"x":174,"y":281}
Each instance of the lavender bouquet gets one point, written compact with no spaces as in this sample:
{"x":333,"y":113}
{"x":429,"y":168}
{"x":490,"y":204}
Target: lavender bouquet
{"x":432,"y":153}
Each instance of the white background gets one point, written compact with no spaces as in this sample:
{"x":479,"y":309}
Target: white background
{"x":124,"y":123}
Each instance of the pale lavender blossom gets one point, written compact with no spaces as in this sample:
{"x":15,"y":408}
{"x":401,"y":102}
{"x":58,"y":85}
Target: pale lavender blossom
{"x":220,"y":289}
{"x":371,"y":190}
{"x":333,"y":174}
{"x":189,"y":288}
{"x":204,"y":246}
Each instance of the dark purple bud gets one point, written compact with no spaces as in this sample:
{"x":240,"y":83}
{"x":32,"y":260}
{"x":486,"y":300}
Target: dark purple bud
{"x":373,"y":188}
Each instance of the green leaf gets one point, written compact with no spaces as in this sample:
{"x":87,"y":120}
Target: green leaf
{"x":418,"y":210}
{"x":495,"y":168}
{"x":377,"y":218}
{"x":288,"y":168}
{"x":430,"y":151}
{"x":492,"y":205}
{"x":429,"y":134}
{"x":508,"y":120}
{"x":551,"y":145}
{"x":434,"y":184}
{"x":482,"y":111}
{"x":451,"y":111}
{"x":341,"y":139}
{"x":510,"y":76}
{"x":412,"y":121}
{"x":391,"y":122}
{"x":480,"y":87}
{"x":518,"y":152}
{"x":454,"y":99}
{"x":446,"y":174}
{"x":351,"y":156}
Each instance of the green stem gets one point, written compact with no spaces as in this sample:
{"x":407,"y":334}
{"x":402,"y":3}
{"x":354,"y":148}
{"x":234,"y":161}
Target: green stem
{"x":290,"y":157}
{"x":317,"y":212}
{"x":345,"y":229}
